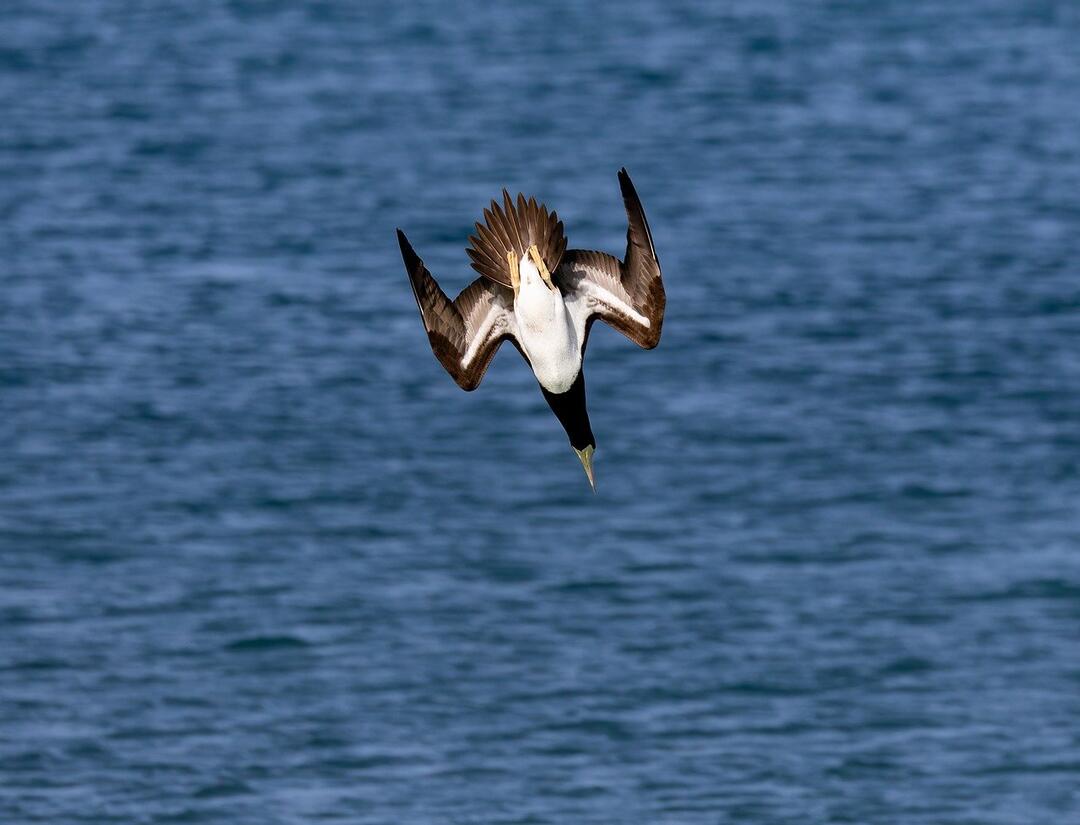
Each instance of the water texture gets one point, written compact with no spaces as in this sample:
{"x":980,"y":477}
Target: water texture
{"x":262,"y":562}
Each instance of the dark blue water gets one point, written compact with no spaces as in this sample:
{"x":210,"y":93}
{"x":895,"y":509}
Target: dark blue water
{"x":262,"y":562}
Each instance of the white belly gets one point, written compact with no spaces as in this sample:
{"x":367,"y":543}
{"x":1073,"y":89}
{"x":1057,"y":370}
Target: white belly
{"x":546,"y":332}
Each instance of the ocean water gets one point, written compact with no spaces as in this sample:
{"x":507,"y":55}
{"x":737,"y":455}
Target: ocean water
{"x":262,"y":562}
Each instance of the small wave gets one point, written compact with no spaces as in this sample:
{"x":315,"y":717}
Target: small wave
{"x":258,"y":643}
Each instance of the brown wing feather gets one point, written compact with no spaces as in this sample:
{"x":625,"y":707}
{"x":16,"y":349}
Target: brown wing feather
{"x":478,"y":320}
{"x":629,"y":294}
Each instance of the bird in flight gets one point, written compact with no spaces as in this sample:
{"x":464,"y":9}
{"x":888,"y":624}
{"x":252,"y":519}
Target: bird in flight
{"x":544,"y":298}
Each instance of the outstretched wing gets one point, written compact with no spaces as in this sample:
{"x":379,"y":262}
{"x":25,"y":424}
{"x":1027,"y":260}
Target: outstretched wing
{"x":628,"y":294}
{"x":464,"y":333}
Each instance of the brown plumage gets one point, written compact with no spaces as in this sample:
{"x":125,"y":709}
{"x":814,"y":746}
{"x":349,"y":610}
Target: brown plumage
{"x":473,"y":324}
{"x":635,"y":281}
{"x":514,"y":228}
{"x":555,"y":293}
{"x":465,"y":333}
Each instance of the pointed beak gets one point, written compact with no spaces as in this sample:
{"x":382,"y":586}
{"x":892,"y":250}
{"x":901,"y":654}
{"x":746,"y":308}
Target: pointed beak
{"x":586,"y":462}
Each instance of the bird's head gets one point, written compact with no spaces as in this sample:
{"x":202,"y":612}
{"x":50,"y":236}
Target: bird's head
{"x":569,"y":408}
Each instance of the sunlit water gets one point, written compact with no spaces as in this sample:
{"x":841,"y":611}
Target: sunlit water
{"x":262,"y":562}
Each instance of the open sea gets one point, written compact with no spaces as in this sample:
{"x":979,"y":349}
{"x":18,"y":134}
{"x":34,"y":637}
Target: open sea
{"x":262,"y":562}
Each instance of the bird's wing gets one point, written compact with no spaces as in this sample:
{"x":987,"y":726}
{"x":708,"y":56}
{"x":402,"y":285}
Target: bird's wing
{"x":628,"y":294}
{"x":464,"y":333}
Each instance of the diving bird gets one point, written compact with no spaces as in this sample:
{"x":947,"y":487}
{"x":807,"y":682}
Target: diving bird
{"x":544,"y":298}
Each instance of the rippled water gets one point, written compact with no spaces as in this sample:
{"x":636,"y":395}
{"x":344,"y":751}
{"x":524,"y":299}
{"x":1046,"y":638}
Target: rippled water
{"x":261,"y":561}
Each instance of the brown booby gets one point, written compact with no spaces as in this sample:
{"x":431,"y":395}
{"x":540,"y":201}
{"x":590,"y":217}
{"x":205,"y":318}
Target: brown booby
{"x":544,"y":298}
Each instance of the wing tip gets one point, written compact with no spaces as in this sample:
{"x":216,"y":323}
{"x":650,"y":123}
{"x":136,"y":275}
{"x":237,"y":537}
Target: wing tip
{"x":626,"y":185}
{"x":407,"y":252}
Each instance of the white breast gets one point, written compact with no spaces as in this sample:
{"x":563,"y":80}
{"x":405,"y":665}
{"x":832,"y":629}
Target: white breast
{"x":546,"y":331}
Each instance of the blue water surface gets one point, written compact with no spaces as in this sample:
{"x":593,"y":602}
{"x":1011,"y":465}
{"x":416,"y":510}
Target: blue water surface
{"x":262,"y":562}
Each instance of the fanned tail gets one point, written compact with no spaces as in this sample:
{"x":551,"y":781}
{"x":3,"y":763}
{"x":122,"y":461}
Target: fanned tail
{"x":514,"y":227}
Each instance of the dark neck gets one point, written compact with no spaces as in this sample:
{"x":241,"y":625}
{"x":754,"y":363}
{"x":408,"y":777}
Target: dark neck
{"x":569,"y":408}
